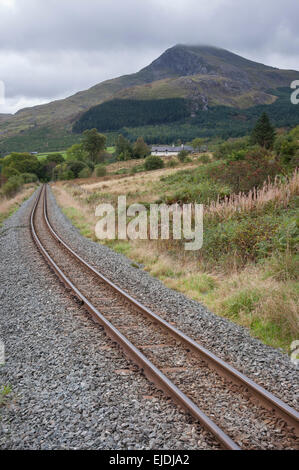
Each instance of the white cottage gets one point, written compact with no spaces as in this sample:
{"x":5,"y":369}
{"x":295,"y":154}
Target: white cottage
{"x":169,"y":150}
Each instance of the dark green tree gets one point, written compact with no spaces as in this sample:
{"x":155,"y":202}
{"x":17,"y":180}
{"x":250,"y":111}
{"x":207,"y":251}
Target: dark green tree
{"x":55,"y":158}
{"x":140,"y":149}
{"x":76,"y":152}
{"x":263,"y":133}
{"x":22,"y":162}
{"x":76,"y":167}
{"x":123,"y":148}
{"x":94,"y":144}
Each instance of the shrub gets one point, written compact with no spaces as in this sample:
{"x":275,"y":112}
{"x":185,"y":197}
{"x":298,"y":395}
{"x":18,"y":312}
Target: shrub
{"x":243,"y":175}
{"x":182,"y":156}
{"x":100,"y":170}
{"x":55,"y":158}
{"x":204,"y":159}
{"x":85,"y":173}
{"x":153,"y":163}
{"x":231,"y":146}
{"x":242,"y":302}
{"x":245,"y":237}
{"x":202,"y":193}
{"x":285,"y":148}
{"x":284,"y":266}
{"x":23,"y":162}
{"x":66,"y":175}
{"x":171,"y":163}
{"x":287,"y":235}
{"x":124,"y":156}
{"x":133,"y":170}
{"x":29,"y":177}
{"x":9,"y":171}
{"x":90,"y":164}
{"x":76,"y":167}
{"x":12,"y":186}
{"x":122,"y":171}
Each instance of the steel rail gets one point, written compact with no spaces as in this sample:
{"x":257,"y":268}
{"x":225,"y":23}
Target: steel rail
{"x":289,"y":414}
{"x":149,"y":369}
{"x":270,"y":401}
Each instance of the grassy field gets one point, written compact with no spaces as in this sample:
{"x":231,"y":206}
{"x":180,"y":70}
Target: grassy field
{"x":259,"y":292}
{"x":42,"y":156}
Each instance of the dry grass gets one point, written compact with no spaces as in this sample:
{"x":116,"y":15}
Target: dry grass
{"x":279,"y":192}
{"x":81,"y":215}
{"x":9,"y":205}
{"x":132,"y":182}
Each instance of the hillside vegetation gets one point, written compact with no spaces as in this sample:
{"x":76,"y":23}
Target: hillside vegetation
{"x":216,"y":122}
{"x":116,"y":114}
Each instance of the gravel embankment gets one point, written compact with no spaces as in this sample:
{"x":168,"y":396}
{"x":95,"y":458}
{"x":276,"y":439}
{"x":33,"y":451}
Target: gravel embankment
{"x":269,"y":367}
{"x":72,"y":388}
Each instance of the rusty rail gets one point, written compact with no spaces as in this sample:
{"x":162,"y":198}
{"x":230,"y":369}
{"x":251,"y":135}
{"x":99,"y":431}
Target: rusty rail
{"x":290,"y":415}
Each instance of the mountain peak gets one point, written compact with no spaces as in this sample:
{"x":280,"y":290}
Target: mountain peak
{"x":184,"y":60}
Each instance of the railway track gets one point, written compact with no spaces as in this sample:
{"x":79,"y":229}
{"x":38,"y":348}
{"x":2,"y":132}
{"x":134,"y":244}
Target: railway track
{"x":239,"y":413}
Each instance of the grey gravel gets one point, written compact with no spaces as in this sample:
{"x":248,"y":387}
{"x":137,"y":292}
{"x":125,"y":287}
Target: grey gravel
{"x":71,"y":386}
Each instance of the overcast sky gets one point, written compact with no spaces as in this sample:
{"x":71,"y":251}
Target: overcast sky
{"x":50,"y":49}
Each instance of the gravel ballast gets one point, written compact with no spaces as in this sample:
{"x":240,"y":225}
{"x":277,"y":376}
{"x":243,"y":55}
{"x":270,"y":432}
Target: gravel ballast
{"x":72,"y":388}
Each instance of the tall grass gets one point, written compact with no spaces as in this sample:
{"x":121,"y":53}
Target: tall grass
{"x":278,"y":192}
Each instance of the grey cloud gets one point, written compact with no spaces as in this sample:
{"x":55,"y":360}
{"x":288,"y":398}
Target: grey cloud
{"x":53,"y":48}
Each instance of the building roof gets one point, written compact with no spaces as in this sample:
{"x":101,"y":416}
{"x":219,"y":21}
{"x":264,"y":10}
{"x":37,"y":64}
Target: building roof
{"x":170,"y":148}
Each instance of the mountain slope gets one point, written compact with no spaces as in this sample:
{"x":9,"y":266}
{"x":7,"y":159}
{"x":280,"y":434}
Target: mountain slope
{"x":207,"y":76}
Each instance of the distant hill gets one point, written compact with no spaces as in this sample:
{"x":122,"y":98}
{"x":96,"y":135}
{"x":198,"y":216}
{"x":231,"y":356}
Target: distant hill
{"x":203,"y":76}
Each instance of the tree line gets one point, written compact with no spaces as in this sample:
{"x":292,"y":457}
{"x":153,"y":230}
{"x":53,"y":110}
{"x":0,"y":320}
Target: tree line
{"x":116,"y":114}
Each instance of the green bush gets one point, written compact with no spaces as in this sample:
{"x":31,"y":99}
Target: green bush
{"x":76,"y":167}
{"x":55,"y":158}
{"x":287,"y":235}
{"x":9,"y":171}
{"x":200,"y":193}
{"x":242,"y":302}
{"x":284,"y":266}
{"x":66,"y":175}
{"x":230,"y":147}
{"x":29,"y":177}
{"x":172,"y":163}
{"x":286,"y":148}
{"x":100,"y":170}
{"x":153,"y":163}
{"x":90,"y":164}
{"x":22,"y":162}
{"x":85,"y":173}
{"x":243,"y":175}
{"x":12,"y":186}
{"x":204,"y":159}
{"x":133,"y":170}
{"x":182,"y":156}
